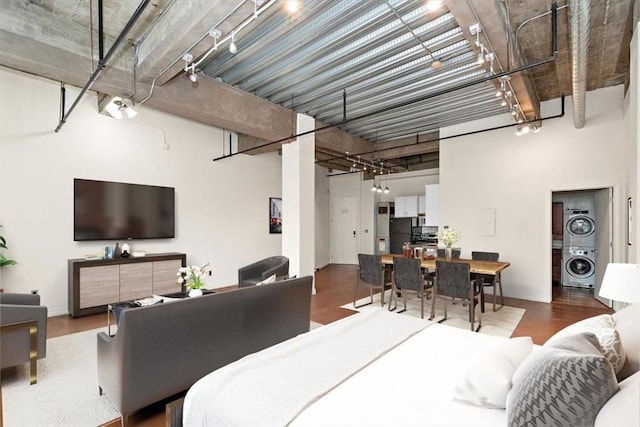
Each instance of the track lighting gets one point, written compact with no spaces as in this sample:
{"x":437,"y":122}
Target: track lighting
{"x":116,"y":107}
{"x":233,"y":48}
{"x":433,"y":5}
{"x":374,"y":187}
{"x":379,"y":189}
{"x":193,"y":76}
{"x":480,"y":57}
{"x":292,"y":6}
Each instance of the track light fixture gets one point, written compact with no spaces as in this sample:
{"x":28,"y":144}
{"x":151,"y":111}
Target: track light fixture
{"x":193,"y":76}
{"x":233,"y":48}
{"x":116,"y":107}
{"x":434,"y":5}
{"x":292,"y":6}
{"x":376,"y":166}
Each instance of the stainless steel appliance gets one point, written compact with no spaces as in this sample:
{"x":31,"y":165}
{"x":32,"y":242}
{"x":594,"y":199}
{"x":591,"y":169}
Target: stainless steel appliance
{"x":579,"y":267}
{"x":383,"y":215}
{"x":399,"y":233}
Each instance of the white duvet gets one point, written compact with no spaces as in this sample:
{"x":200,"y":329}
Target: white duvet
{"x":409,"y":386}
{"x":271,"y":387}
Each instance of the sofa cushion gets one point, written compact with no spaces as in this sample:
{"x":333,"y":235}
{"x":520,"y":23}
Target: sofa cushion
{"x":604,"y":328}
{"x":486,"y":380}
{"x":562,"y":384}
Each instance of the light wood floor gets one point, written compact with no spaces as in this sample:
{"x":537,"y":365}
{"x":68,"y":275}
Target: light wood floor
{"x":335,"y":286}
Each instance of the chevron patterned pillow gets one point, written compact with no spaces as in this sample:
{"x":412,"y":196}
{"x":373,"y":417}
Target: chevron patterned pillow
{"x":564,"y":384}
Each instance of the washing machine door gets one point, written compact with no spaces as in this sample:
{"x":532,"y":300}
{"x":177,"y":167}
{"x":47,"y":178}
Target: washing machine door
{"x":580,"y":267}
{"x":580,"y":226}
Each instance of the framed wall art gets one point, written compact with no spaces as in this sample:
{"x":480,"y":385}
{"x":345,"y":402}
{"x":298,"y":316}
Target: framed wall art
{"x":275,"y":215}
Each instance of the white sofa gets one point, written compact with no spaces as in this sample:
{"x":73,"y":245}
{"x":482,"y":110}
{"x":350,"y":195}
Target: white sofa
{"x":439,"y":375}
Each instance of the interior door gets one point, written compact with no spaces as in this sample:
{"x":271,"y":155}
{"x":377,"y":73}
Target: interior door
{"x":344,"y":226}
{"x":604,"y":237}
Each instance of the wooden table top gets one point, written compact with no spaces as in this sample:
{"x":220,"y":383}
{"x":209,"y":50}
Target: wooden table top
{"x":475,"y":266}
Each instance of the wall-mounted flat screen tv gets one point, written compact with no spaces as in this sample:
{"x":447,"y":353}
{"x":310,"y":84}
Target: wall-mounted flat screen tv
{"x":105,"y":210}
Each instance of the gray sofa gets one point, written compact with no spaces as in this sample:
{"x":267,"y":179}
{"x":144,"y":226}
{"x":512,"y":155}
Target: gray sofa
{"x":161,"y":350}
{"x":15,"y":343}
{"x":258,"y":271}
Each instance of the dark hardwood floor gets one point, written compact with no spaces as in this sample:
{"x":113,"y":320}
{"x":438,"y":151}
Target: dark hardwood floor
{"x":335,"y":285}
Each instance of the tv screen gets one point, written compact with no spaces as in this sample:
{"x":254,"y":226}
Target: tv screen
{"x":117,"y":211}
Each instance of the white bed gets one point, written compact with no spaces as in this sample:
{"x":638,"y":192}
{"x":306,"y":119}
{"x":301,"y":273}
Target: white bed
{"x":373,"y":369}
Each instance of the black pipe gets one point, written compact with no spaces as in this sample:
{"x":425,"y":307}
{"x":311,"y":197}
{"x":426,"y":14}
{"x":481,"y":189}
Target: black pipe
{"x":143,"y":4}
{"x":100,"y":31}
{"x":562,"y":113}
{"x":554,"y":48}
{"x":62,"y":100}
{"x":344,"y":105}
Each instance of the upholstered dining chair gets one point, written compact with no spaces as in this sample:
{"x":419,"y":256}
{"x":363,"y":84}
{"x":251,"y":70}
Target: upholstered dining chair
{"x":453,"y":280}
{"x":370,"y":274}
{"x":455,"y":252}
{"x":489,"y":280}
{"x":407,"y":277}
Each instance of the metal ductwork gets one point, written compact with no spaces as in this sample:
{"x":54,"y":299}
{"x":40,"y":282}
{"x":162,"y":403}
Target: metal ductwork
{"x":579,"y":16}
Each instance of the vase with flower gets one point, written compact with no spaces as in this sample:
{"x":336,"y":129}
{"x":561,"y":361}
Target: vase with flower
{"x":448,"y":236}
{"x":192,"y":277}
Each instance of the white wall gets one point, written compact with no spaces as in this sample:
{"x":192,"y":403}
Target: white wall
{"x":352,"y":185}
{"x":517,"y":175}
{"x":322,"y":217}
{"x":221,"y":207}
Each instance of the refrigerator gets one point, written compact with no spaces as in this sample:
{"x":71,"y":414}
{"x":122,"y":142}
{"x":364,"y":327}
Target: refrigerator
{"x":399,"y":233}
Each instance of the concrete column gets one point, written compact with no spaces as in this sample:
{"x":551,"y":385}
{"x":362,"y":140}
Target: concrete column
{"x":298,"y":200}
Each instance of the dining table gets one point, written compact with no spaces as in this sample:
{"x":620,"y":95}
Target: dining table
{"x":493,"y":268}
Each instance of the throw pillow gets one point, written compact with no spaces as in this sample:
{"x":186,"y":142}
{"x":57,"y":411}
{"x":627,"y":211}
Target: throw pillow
{"x":270,"y":279}
{"x":486,"y":380}
{"x":564,"y":384}
{"x":604,"y":328}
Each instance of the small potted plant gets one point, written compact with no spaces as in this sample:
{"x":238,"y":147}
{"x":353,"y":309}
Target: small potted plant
{"x":192,"y":277}
{"x":448,"y":236}
{"x":4,"y":261}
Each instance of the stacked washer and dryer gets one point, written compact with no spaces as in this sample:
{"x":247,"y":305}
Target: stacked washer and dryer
{"x":579,"y":246}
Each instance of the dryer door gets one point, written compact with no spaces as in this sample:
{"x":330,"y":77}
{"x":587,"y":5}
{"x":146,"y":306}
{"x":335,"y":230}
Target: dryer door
{"x":580,"y":226}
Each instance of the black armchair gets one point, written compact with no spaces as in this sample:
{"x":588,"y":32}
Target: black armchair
{"x":370,"y":274}
{"x":252,"y":274}
{"x":23,"y":329}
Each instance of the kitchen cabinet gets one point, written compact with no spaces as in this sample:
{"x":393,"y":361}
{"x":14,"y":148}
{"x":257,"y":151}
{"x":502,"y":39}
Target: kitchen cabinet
{"x":406,"y":206}
{"x":556,"y":266}
{"x":557,"y":220}
{"x":421,"y":205}
{"x":432,"y":205}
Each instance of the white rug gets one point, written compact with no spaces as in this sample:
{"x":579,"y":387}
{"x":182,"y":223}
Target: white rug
{"x":66,"y":393}
{"x":501,"y":323}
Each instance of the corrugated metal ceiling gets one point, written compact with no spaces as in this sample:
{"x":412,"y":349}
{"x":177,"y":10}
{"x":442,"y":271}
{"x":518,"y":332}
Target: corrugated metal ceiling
{"x":379,"y":53}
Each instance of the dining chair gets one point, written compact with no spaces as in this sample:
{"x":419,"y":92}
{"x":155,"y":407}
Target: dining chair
{"x":455,"y":252}
{"x":370,"y":274}
{"x":453,"y":280}
{"x":489,"y":280}
{"x":407,"y":277}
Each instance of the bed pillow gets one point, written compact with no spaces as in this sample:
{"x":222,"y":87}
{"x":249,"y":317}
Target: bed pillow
{"x":604,"y":328}
{"x":270,"y":279}
{"x":627,"y":321}
{"x":622,"y":409}
{"x":563,"y":384}
{"x":486,"y":380}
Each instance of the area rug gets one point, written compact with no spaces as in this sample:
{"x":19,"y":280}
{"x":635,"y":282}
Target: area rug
{"x":66,"y":393}
{"x":501,"y":323}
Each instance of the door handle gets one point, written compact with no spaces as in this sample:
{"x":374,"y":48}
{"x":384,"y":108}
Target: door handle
{"x":354,"y":234}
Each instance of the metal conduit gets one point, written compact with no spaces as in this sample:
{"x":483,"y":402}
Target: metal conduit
{"x":579,"y":16}
{"x":136,"y":14}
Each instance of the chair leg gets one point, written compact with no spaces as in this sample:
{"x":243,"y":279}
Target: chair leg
{"x":393,"y":290}
{"x":497,"y":283}
{"x":422,"y":305}
{"x":482,"y":298}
